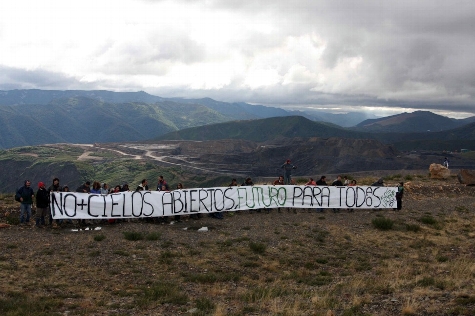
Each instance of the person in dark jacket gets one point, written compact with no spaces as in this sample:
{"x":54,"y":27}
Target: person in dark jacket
{"x":322,"y":181}
{"x":25,"y":196}
{"x":287,"y":166}
{"x":42,"y":203}
{"x":399,"y":194}
{"x":379,"y":183}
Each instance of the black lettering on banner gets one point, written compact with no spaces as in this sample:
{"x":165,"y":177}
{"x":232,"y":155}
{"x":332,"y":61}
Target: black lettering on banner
{"x":82,"y":204}
{"x":145,"y":202}
{"x":123,"y":206}
{"x":221,"y":199}
{"x":54,"y":204}
{"x":141,"y":203}
{"x":341,"y":195}
{"x":321,"y":195}
{"x":295,"y":195}
{"x":112,"y":208}
{"x":352,"y":189}
{"x":360,"y":192}
{"x":228,"y":198}
{"x":105,"y":204}
{"x":201,"y":199}
{"x":177,"y":209}
{"x":369,"y":194}
{"x":192,"y":200}
{"x":169,"y":203}
{"x":75,"y":204}
{"x":210,"y":195}
{"x":91,"y":196}
{"x":376,"y":196}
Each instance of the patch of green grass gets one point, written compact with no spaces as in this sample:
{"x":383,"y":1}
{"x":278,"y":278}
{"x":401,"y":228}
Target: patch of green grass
{"x":161,"y":293}
{"x":258,"y":248}
{"x":426,"y":281}
{"x":382,"y":223}
{"x":442,"y":258}
{"x":133,"y":236}
{"x":428,"y":220}
{"x":413,"y":228}
{"x":17,"y":303}
{"x":12,"y":246}
{"x":153,"y":236}
{"x":99,"y":237}
{"x":205,"y":305}
{"x":211,"y":277}
{"x":258,"y":294}
{"x":96,"y":253}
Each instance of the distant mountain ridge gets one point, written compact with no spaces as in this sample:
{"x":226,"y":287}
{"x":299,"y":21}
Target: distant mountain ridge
{"x":418,"y":122}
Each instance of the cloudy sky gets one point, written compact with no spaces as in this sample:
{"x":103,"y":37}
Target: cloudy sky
{"x":364,"y":55}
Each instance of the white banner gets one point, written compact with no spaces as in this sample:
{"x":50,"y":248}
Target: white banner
{"x":71,"y":205}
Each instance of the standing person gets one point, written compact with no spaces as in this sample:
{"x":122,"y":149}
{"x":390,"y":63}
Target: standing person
{"x":247,"y":183}
{"x":311,"y":182}
{"x":162,"y":182}
{"x":279,"y":181}
{"x":25,"y":196}
{"x":143,"y":186}
{"x":84,"y":188}
{"x":399,"y":194}
{"x":346,"y":181}
{"x":337,"y":182}
{"x":379,"y":183}
{"x":287,"y":166}
{"x":96,"y":188}
{"x":322,"y":181}
{"x":446,"y":163}
{"x":55,"y":187}
{"x":42,"y":203}
{"x":104,"y":188}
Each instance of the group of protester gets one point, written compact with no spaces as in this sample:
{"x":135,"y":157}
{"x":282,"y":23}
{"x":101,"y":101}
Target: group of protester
{"x":25,"y":194}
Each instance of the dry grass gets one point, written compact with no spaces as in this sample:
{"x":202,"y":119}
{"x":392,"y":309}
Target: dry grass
{"x":251,"y":264}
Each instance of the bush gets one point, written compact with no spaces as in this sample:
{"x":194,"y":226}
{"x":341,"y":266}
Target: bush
{"x":413,"y":227}
{"x":133,"y":236}
{"x":382,"y":223}
{"x":99,"y":237}
{"x":428,"y":220}
{"x":257,"y":247}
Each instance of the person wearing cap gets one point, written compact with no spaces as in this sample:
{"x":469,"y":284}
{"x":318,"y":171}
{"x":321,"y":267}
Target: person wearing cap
{"x":287,"y":166}
{"x":42,"y":203}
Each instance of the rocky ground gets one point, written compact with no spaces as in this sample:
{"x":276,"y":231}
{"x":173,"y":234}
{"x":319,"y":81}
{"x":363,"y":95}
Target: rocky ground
{"x":293,"y":262}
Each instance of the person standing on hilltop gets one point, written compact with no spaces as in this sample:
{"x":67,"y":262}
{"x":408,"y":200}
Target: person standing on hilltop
{"x":287,"y":166}
{"x":25,"y":196}
{"x":42,"y":203}
{"x":55,"y":187}
{"x":399,"y":194}
{"x":446,"y":163}
{"x":161,"y":183}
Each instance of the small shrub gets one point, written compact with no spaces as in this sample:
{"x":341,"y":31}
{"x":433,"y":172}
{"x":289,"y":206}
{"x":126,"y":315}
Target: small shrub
{"x":382,"y":223}
{"x":133,"y":236}
{"x":257,"y":247}
{"x":413,"y":228}
{"x":426,"y":281}
{"x":153,"y":236}
{"x":428,"y":220}
{"x":408,"y":177}
{"x":443,"y":259}
{"x":99,"y":237}
{"x":205,"y":305}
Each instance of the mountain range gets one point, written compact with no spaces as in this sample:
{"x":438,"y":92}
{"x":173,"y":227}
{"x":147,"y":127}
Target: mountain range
{"x":32,"y":117}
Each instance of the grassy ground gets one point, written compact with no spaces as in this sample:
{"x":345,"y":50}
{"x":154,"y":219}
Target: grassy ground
{"x":420,"y":261}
